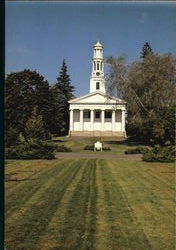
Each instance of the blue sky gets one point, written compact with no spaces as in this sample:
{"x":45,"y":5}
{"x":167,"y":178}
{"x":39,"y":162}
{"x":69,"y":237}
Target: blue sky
{"x":40,"y":34}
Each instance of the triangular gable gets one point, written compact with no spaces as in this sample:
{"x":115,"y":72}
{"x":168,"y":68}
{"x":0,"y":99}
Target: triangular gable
{"x":96,"y":97}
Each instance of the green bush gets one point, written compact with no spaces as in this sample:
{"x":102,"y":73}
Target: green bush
{"x":91,"y":147}
{"x":137,"y":150}
{"x":160,"y":154}
{"x":32,"y":149}
{"x":106,"y":149}
{"x":62,"y":148}
{"x":11,"y":135}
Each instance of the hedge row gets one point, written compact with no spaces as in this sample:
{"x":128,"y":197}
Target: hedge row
{"x":34,"y":149}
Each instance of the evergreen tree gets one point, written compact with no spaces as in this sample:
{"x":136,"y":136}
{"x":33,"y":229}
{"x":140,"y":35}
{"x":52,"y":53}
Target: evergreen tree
{"x":61,"y":92}
{"x":34,"y":128}
{"x":146,"y":50}
{"x":58,"y":104}
{"x":63,"y":82}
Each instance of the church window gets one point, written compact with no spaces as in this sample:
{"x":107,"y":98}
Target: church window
{"x":108,"y":114}
{"x":101,"y":65}
{"x":94,"y":66}
{"x":97,"y":114}
{"x":97,"y":85}
{"x":97,"y":66}
{"x":86,"y":114}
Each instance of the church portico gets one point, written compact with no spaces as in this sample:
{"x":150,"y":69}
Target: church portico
{"x":96,"y":120}
{"x":97,"y":114}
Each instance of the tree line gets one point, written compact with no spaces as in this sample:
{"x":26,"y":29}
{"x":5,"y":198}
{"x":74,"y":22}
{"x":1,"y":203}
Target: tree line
{"x":34,"y":108}
{"x":148,"y":87}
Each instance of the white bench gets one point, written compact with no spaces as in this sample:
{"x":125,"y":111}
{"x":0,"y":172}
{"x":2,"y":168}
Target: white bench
{"x":98,"y":146}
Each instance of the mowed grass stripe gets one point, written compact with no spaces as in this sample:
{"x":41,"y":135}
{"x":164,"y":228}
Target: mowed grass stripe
{"x":27,"y":173}
{"x":22,"y":170}
{"x":29,"y":187}
{"x":91,"y":218}
{"x":141,"y":186}
{"x":49,"y":239}
{"x":148,"y":202}
{"x":38,"y":212}
{"x":79,"y":223}
{"x":19,"y":170}
{"x":124,"y":230}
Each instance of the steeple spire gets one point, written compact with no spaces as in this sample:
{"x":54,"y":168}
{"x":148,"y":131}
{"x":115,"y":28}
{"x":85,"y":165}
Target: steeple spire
{"x":97,"y":77}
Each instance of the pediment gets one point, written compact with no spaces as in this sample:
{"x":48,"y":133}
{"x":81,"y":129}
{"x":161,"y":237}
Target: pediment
{"x":96,"y":97}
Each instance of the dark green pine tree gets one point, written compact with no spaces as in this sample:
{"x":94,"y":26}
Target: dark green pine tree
{"x":63,"y":82}
{"x":57,"y":119}
{"x":63,"y":91}
{"x":146,"y":50}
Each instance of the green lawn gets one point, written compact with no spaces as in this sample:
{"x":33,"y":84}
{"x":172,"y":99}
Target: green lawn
{"x":89,"y":204}
{"x":77,"y":144}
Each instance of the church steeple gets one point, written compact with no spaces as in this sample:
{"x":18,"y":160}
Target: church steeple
{"x":97,"y":81}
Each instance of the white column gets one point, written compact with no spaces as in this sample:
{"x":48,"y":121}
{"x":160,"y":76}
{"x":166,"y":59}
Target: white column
{"x":113,"y":120}
{"x":81,"y":119}
{"x":102,"y":119}
{"x":123,"y":120}
{"x":71,"y":120}
{"x":92,"y":120}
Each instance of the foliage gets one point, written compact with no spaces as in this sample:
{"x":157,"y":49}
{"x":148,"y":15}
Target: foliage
{"x":21,"y":138}
{"x":11,"y":136}
{"x":106,"y":149}
{"x":164,"y":127}
{"x":62,"y":148}
{"x":24,"y":91}
{"x":146,"y":50}
{"x":63,"y":82}
{"x":137,"y":150}
{"x":91,"y":147}
{"x":61,"y":93}
{"x":32,"y":149}
{"x":148,"y":87}
{"x":160,"y":154}
{"x":158,"y":129}
{"x":35,"y":127}
{"x":60,"y":109}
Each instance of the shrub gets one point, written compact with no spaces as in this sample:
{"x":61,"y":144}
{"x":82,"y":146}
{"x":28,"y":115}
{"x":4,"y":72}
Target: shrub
{"x":11,"y":135}
{"x":106,"y":149}
{"x":32,"y":149}
{"x":91,"y":147}
{"x":62,"y":148}
{"x":137,"y":150}
{"x":160,"y":154}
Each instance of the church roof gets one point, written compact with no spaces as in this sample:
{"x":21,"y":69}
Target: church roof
{"x":97,"y":97}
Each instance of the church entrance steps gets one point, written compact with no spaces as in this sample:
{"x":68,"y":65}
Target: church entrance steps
{"x":97,"y":133}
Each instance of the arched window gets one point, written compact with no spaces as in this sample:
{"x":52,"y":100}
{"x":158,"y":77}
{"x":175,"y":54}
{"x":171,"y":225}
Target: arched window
{"x":101,"y":65}
{"x":94,"y":66}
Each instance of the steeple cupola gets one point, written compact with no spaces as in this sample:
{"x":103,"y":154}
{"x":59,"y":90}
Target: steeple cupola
{"x":97,"y":82}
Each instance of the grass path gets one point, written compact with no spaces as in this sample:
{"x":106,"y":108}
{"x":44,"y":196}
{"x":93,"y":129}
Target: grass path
{"x":93,"y":204}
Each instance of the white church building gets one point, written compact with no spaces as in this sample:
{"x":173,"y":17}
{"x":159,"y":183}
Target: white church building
{"x":97,"y":114}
